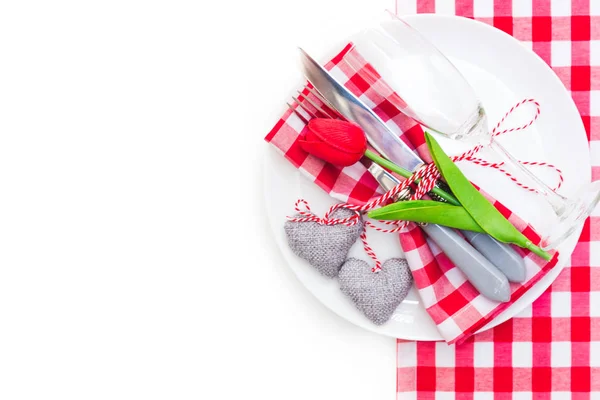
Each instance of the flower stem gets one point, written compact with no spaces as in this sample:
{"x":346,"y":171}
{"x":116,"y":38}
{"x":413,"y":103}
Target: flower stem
{"x":538,"y":251}
{"x":407,"y":174}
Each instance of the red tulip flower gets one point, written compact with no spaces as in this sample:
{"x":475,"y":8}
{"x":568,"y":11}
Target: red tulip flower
{"x":343,"y":144}
{"x":334,"y":141}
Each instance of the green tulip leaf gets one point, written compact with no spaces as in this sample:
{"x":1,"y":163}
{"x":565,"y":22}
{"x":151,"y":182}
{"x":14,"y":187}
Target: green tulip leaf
{"x":482,"y":211}
{"x":427,"y":211}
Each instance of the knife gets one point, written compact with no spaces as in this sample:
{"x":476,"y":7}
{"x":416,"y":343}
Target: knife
{"x":394,"y":149}
{"x":482,"y":274}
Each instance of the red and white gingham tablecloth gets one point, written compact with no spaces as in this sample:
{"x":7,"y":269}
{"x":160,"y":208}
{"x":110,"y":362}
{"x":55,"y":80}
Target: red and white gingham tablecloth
{"x":552,"y":349}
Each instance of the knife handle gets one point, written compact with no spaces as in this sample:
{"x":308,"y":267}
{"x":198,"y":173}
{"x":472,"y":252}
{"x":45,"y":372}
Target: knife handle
{"x":500,"y":254}
{"x":482,"y":274}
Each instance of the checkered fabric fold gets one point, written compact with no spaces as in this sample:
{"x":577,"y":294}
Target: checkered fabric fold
{"x":551,"y":350}
{"x":454,"y":304}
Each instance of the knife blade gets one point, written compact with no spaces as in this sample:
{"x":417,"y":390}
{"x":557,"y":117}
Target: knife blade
{"x":346,"y":103}
{"x":390,"y":146}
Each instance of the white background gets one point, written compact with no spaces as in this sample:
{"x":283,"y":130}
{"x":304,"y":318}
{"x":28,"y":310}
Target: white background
{"x":135,"y":257}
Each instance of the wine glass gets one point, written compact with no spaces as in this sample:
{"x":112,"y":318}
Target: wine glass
{"x":433,"y":92}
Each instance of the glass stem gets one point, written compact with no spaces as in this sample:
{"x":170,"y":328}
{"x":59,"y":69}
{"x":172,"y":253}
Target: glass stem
{"x":556,"y":201}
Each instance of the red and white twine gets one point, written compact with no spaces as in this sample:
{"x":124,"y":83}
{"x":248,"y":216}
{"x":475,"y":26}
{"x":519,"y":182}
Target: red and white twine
{"x":469,"y":155}
{"x":428,"y":175}
{"x":308,"y":216}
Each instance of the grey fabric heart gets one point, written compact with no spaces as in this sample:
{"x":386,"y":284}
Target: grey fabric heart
{"x":376,"y":294}
{"x":325,"y":247}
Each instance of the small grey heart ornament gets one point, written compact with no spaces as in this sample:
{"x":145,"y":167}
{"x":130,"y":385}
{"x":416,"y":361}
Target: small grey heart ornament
{"x":325,"y":247}
{"x":376,"y":294}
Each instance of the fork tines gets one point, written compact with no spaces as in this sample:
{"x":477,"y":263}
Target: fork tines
{"x":312,"y":109}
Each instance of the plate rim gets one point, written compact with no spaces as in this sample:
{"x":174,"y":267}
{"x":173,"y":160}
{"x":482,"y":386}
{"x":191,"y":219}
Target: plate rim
{"x":538,"y":288}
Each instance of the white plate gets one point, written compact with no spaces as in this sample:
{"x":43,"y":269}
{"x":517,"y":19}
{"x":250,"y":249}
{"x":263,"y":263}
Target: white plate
{"x":502,"y":71}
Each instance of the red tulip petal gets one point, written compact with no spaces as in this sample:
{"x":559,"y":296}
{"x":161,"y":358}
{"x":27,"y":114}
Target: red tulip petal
{"x":329,"y":154}
{"x":310,"y":136}
{"x":341,"y":135}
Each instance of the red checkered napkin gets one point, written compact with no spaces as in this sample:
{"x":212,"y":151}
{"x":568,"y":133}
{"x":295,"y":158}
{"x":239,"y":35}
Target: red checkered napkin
{"x":452,"y":302}
{"x":551,"y":350}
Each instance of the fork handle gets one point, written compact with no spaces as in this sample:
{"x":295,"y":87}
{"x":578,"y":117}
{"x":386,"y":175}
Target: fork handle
{"x":500,"y":254}
{"x":482,"y":274}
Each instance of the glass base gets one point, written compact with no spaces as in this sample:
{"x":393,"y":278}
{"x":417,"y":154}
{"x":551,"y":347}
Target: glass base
{"x":574,"y":213}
